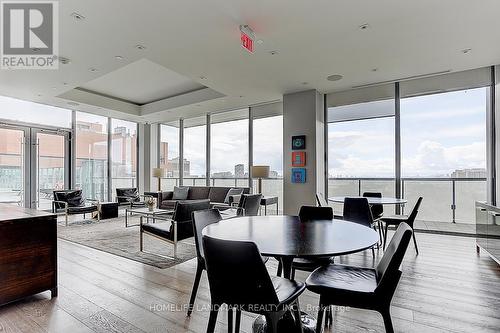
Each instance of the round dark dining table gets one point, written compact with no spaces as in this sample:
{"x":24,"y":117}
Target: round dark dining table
{"x":372,"y":200}
{"x":286,"y":237}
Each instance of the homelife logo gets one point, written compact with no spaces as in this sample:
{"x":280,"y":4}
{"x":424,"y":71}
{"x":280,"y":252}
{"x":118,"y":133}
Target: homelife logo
{"x":30,"y":34}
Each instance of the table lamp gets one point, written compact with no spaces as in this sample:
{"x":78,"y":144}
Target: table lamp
{"x":259,"y":172}
{"x":159,"y":173}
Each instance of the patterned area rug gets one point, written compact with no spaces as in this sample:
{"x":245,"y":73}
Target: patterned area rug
{"x":111,"y":236}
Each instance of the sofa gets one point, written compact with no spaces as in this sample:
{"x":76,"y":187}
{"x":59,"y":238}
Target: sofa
{"x":216,"y":195}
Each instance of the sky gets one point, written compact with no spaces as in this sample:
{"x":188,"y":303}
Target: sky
{"x":439,"y":134}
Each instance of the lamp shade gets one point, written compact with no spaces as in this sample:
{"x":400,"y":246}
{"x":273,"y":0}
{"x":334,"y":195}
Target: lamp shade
{"x":260,"y":171}
{"x":158,"y":172}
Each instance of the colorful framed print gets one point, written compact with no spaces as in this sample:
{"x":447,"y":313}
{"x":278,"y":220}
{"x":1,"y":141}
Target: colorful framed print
{"x":298,"y":142}
{"x":298,"y":158}
{"x":298,"y":175}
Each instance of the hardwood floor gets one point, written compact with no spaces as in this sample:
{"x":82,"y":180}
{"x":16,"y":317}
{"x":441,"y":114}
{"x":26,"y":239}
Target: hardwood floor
{"x":447,"y":288}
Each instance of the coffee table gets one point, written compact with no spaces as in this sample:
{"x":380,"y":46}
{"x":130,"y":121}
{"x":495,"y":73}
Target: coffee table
{"x":145,"y":212}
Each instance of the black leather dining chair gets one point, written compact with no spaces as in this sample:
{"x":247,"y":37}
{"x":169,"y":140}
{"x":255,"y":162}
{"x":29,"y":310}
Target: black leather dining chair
{"x":307,"y":214}
{"x":321,"y":200}
{"x":238,"y":277}
{"x":358,"y":210}
{"x":377,"y":212}
{"x":359,"y":287}
{"x":201,"y":219}
{"x":396,"y":220}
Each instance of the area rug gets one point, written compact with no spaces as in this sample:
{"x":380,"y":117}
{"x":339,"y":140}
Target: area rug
{"x":111,"y":236}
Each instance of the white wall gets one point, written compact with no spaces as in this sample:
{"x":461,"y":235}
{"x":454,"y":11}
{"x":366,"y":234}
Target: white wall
{"x":303,"y":114}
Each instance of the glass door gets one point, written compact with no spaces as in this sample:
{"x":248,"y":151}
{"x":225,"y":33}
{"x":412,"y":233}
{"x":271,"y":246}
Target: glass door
{"x":50,"y":154}
{"x":13,"y":165}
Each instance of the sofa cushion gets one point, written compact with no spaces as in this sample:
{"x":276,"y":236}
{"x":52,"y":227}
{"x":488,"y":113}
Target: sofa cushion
{"x":232,"y":191}
{"x":198,"y":192}
{"x":218,"y":194}
{"x":180,"y":193}
{"x":168,"y":204}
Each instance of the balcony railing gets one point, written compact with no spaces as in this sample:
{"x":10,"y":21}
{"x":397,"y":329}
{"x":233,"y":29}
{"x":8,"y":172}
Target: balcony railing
{"x":445,"y":199}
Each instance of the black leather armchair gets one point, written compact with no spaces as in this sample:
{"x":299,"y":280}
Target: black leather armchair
{"x":179,"y":227}
{"x":71,"y":202}
{"x":248,"y":205}
{"x":129,"y":196}
{"x":359,"y":287}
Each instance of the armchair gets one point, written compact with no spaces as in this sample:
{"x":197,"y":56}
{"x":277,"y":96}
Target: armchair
{"x":71,"y":202}
{"x":129,"y":196}
{"x":179,"y":227}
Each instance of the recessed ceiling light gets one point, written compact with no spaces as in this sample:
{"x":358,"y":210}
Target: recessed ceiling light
{"x":241,"y":96}
{"x":305,"y":83}
{"x":119,"y":57}
{"x":275,"y":52}
{"x":39,"y":95}
{"x":466,"y":50}
{"x":364,"y":26}
{"x":78,"y":17}
{"x":334,"y":77}
{"x":140,"y":47}
{"x":65,"y":83}
{"x":203,"y":77}
{"x":374,"y":69}
{"x":93,"y":70}
{"x":64,"y":60}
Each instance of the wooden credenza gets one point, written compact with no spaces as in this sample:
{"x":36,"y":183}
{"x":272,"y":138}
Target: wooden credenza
{"x":28,"y":253}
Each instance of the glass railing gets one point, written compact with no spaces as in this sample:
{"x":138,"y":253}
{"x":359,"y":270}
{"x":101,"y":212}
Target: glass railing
{"x":445,"y":199}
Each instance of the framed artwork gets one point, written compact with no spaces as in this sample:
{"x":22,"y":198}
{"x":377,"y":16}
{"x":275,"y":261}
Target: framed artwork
{"x":298,"y":142}
{"x":298,"y":175}
{"x":298,"y":158}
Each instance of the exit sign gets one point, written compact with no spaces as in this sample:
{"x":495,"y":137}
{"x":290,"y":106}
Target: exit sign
{"x":246,"y":42}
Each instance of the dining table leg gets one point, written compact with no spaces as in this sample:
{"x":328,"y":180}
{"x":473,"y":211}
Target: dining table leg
{"x":286,"y":263}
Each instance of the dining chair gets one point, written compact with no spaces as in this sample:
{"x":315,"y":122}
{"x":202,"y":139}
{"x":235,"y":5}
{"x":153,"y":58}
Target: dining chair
{"x":309,"y":214}
{"x":201,"y":219}
{"x":321,"y":200}
{"x":360,"y":287}
{"x":358,"y":210}
{"x":238,"y":277}
{"x":377,"y":212}
{"x":396,"y":220}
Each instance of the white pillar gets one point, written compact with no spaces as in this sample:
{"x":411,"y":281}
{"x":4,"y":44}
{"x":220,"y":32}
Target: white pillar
{"x":303,"y":114}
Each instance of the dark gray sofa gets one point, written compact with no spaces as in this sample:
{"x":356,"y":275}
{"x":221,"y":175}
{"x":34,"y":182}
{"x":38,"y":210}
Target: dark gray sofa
{"x":215,"y":194}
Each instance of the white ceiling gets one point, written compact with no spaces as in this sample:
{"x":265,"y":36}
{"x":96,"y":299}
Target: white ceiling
{"x":142,"y":82}
{"x":314,"y":39}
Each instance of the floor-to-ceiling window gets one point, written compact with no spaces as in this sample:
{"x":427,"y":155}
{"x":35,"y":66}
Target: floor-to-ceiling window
{"x":229,"y":148}
{"x":123,"y":154}
{"x":443,"y":148}
{"x":169,"y":154}
{"x":268,"y":150}
{"x":361,"y":149}
{"x":195,"y":131}
{"x":92,"y":155}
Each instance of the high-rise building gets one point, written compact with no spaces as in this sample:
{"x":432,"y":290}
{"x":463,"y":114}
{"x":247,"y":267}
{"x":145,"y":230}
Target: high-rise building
{"x":239,"y":171}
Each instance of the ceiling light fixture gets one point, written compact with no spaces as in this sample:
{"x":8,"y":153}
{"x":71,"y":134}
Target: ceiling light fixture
{"x":305,"y":83}
{"x":119,"y":57}
{"x":64,"y":60}
{"x":334,"y":77}
{"x":465,"y":51}
{"x":203,"y":77}
{"x":374,"y":69}
{"x":77,"y":17}
{"x":93,"y":70}
{"x":140,"y":47}
{"x":364,"y":26}
{"x":273,"y":52}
